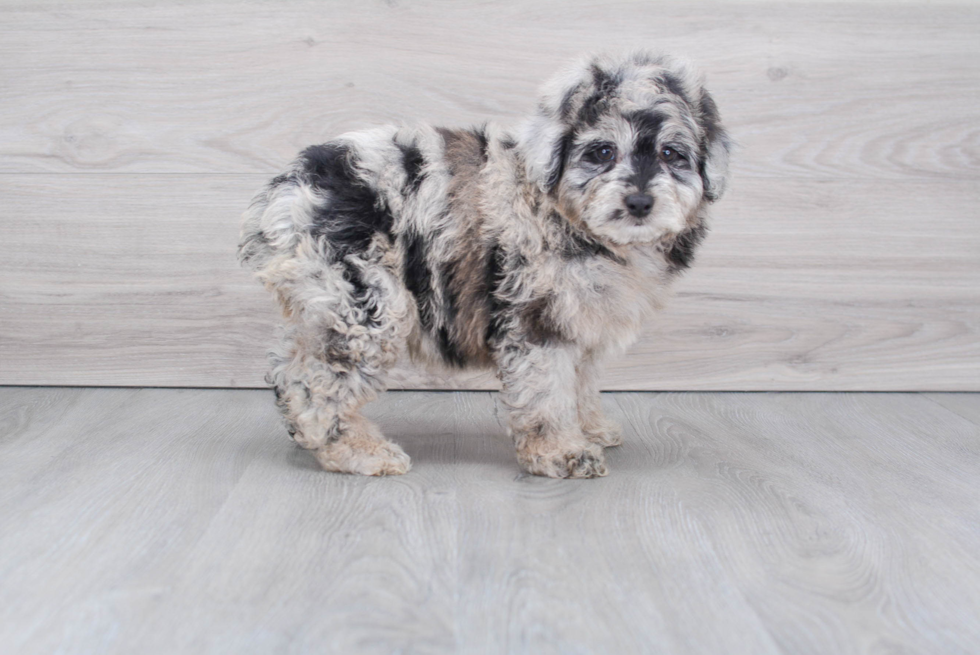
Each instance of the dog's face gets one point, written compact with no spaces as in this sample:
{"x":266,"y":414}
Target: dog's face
{"x":632,"y":148}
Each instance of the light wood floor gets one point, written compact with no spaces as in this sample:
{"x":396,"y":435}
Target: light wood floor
{"x":165,"y":521}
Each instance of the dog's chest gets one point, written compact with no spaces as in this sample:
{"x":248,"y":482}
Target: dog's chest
{"x":603,"y":303}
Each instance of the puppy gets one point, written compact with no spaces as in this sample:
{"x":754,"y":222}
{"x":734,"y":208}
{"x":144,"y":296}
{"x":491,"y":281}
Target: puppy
{"x":537,"y":253}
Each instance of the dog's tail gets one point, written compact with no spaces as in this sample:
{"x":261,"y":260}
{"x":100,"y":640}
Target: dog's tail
{"x":277,"y":218}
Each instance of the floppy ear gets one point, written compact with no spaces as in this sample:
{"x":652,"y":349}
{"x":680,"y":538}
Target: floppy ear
{"x":715,"y":148}
{"x":545,"y":143}
{"x":546,"y":137}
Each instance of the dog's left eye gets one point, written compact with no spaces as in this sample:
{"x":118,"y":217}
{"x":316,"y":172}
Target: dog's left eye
{"x":603,"y":154}
{"x":672,"y":155}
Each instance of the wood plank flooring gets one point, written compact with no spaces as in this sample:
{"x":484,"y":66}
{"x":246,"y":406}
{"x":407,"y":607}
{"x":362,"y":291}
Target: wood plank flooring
{"x":162,"y":521}
{"x":132,"y":136}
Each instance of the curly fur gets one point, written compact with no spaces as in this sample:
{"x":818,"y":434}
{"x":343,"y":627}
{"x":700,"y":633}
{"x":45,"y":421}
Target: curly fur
{"x":537,"y":252}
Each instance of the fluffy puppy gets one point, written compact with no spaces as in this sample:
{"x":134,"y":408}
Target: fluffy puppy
{"x":537,"y":253}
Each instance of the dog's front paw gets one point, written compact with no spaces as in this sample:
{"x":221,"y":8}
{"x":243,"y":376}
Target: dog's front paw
{"x":607,"y":434}
{"x":580,"y":462}
{"x":363,"y":454}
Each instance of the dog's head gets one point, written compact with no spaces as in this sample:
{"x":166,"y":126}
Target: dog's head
{"x":632,"y":147}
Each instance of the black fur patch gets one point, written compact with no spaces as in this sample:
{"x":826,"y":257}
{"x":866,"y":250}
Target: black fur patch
{"x":450,"y":304}
{"x":595,"y":105}
{"x":481,"y":137}
{"x":647,"y":124}
{"x":681,"y":252}
{"x":361,"y":293}
{"x":578,"y":245}
{"x":418,"y":278}
{"x":354,"y":213}
{"x":493,"y":278}
{"x":710,"y":119}
{"x":413,"y":161}
{"x":646,"y":163}
{"x":592,"y":109}
{"x":532,"y":317}
{"x":670,"y":82}
{"x":280,"y":179}
{"x":565,"y":107}
{"x":353,"y":277}
{"x":559,"y":158}
{"x":448,"y":347}
{"x":646,"y":159}
{"x":711,"y":122}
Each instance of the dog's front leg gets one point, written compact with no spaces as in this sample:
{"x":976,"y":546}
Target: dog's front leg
{"x":597,"y":428}
{"x":539,"y":388}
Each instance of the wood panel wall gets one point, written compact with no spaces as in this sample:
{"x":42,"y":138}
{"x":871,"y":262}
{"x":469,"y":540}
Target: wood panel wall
{"x":132,"y":135}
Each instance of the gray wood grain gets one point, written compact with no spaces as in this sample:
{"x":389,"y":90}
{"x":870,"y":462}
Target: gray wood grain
{"x":132,"y":136}
{"x":160,"y":521}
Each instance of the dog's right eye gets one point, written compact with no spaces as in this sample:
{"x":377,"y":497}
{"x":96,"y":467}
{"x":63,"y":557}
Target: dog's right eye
{"x":603,"y":154}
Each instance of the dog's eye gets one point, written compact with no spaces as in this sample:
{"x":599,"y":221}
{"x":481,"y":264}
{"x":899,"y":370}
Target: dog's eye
{"x":603,"y":154}
{"x":672,"y":155}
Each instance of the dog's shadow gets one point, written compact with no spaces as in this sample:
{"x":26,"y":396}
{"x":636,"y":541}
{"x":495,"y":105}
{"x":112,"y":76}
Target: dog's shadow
{"x":475,"y":440}
{"x":490,"y":451}
{"x":470,"y":445}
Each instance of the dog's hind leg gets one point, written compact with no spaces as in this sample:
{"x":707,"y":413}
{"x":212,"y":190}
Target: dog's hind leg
{"x":339,"y":338}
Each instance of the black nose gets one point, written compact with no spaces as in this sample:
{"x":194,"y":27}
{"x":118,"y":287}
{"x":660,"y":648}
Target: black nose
{"x":639,"y":204}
